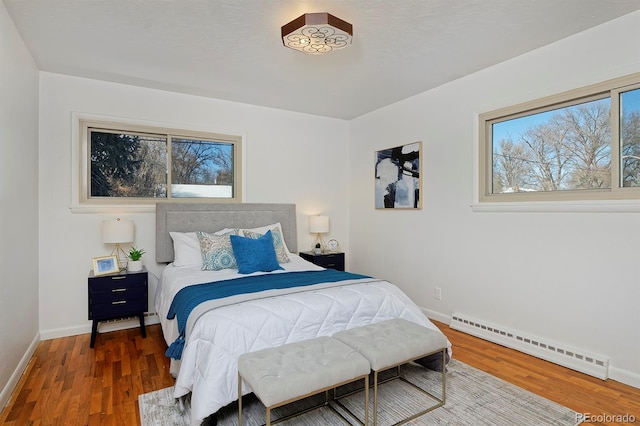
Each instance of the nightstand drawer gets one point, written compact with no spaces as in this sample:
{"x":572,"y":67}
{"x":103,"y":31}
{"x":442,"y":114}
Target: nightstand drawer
{"x":117,"y":282}
{"x":117,"y":294}
{"x":326,"y":260}
{"x":330,"y":261}
{"x":117,"y":308}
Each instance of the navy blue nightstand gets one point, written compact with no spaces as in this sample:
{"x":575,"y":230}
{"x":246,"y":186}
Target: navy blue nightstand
{"x":326,"y":260}
{"x":117,"y":296}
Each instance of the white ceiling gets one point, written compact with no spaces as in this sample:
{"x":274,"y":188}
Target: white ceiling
{"x":231,"y":49}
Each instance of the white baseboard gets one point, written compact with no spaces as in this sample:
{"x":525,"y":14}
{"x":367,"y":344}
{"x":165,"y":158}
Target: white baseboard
{"x":55,"y":333}
{"x":103,"y":327}
{"x":437,"y":316}
{"x":624,"y":376}
{"x":7,"y":391}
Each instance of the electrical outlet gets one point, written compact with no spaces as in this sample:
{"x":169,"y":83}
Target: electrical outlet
{"x":437,"y":293}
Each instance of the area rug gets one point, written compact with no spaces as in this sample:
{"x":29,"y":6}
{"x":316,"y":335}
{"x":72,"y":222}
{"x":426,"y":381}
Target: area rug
{"x":473,"y":398}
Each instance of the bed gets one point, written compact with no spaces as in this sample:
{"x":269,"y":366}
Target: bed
{"x":251,"y":311}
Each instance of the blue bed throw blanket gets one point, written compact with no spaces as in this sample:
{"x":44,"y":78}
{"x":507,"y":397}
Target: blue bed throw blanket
{"x":189,"y":297}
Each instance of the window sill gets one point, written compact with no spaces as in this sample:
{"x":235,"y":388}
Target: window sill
{"x":609,"y":206}
{"x":112,"y":208}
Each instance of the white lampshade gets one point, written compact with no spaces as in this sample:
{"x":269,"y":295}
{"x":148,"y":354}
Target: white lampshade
{"x":117,"y":231}
{"x":318,"y":224}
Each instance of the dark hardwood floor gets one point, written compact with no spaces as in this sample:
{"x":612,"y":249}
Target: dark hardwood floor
{"x":67,"y":383}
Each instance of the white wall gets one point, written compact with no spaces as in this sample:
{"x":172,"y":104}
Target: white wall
{"x":18,"y":205}
{"x":290,"y":158}
{"x":569,"y":277}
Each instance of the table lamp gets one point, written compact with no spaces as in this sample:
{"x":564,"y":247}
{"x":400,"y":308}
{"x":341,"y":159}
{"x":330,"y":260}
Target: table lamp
{"x":117,"y":232}
{"x":319,"y":225}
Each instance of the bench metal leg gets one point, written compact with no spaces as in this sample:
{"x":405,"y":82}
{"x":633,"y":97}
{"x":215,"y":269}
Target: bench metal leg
{"x":375,"y":398}
{"x":336,"y":400}
{"x":444,"y":376}
{"x":239,"y":400}
{"x":326,"y":403}
{"x":366,"y":401}
{"x":440,"y":401}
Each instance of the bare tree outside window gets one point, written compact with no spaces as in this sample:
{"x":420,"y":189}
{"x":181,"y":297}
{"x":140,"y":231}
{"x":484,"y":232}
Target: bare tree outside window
{"x":201,"y":168}
{"x":136,"y":165}
{"x":630,"y":137}
{"x":564,"y":149}
{"x":576,"y":149}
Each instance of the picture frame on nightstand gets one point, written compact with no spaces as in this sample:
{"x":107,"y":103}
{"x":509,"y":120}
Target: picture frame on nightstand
{"x":105,"y":265}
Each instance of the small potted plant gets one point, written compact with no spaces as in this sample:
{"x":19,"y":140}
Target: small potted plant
{"x":135,"y":263}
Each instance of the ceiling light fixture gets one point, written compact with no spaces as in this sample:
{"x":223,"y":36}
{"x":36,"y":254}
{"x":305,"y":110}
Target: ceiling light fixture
{"x":317,"y":33}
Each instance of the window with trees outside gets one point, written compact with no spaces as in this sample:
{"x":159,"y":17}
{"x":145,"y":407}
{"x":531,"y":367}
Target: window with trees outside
{"x":580,"y":145}
{"x":136,"y":164}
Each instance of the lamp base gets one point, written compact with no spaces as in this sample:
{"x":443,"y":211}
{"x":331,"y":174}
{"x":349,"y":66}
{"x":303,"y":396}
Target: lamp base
{"x":323,"y":245}
{"x":117,"y":250}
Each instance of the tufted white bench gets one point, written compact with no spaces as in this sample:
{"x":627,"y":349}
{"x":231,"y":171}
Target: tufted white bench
{"x":278,"y":376}
{"x":391,"y":343}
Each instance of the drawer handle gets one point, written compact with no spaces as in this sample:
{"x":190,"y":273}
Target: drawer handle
{"x":118,"y":278}
{"x":118,"y":290}
{"x":119,"y":302}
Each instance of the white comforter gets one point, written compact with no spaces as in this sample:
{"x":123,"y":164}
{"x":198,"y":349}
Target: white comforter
{"x":208,"y":368}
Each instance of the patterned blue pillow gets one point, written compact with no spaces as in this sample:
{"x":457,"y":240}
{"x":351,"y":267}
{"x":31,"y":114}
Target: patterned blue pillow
{"x":255,"y":255}
{"x":278,"y":243}
{"x":216,"y":250}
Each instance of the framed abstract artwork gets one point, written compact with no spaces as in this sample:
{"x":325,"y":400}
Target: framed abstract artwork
{"x":398,"y":177}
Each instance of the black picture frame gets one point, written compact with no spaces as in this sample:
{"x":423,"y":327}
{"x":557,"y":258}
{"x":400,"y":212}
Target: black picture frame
{"x":398,"y":177}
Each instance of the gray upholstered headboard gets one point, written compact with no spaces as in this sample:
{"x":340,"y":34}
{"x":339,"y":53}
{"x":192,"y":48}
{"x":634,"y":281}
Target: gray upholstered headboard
{"x":211,"y":217}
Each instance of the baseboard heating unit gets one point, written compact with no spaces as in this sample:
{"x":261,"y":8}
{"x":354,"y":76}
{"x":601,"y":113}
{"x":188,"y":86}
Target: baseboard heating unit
{"x":127,"y":322}
{"x":576,"y":359}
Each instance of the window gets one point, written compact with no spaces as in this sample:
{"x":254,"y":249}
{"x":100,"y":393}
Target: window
{"x":580,"y":145}
{"x":629,"y":129}
{"x":134,"y":164}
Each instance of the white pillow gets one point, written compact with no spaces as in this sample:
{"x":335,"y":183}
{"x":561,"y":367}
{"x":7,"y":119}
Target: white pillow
{"x":186,"y":248}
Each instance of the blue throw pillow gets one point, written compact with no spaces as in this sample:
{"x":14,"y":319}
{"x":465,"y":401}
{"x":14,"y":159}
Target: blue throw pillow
{"x":253,"y":255}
